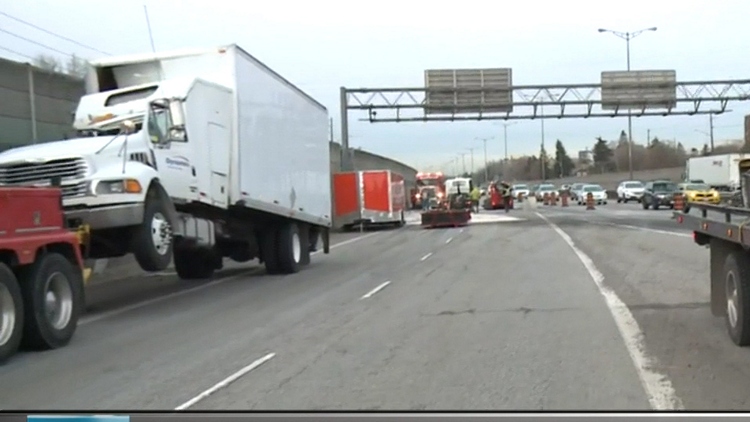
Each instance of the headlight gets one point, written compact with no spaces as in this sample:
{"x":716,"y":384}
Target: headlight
{"x":112,"y":187}
{"x":417,"y":196}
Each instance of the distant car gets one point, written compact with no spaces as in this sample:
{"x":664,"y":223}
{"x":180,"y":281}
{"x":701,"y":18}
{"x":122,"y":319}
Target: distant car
{"x":544,"y":188}
{"x":598,"y":192}
{"x":522,"y":189}
{"x":575,"y":190}
{"x":699,"y":192}
{"x":659,"y":193}
{"x":630,"y":190}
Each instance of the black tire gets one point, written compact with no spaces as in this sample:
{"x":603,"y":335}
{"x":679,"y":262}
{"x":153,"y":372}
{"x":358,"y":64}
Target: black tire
{"x":269,"y":250}
{"x":290,"y":248}
{"x":51,"y":273}
{"x":644,"y":204}
{"x":619,"y":200}
{"x":193,"y":263}
{"x":150,"y":255}
{"x":11,"y":314}
{"x":737,"y":280}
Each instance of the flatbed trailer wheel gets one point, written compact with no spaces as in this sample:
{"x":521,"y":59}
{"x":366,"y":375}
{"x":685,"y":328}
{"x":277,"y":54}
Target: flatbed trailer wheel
{"x":11,"y":313}
{"x":53,"y":299}
{"x":737,"y":285}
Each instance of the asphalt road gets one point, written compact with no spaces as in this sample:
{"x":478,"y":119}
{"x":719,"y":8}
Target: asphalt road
{"x":561,"y":308}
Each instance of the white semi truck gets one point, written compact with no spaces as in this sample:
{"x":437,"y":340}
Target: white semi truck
{"x":193,"y":155}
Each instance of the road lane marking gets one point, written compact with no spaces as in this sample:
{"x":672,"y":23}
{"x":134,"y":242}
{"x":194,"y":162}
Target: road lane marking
{"x":424,"y":258}
{"x":225,"y":382}
{"x":658,"y":388}
{"x":449,"y":240}
{"x":646,"y":229}
{"x":372,"y":292}
{"x":138,"y":305}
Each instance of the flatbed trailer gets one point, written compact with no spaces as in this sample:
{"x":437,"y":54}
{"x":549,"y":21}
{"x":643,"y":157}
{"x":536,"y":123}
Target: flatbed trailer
{"x":725,"y":230}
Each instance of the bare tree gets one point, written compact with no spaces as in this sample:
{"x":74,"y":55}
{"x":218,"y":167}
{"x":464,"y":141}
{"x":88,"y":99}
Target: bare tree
{"x":75,"y":66}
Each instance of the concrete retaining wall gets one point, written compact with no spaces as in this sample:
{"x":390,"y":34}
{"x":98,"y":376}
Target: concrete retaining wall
{"x":55,"y":99}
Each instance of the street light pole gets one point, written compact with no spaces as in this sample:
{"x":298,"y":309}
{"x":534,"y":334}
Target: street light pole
{"x":486,"y":169}
{"x":471,"y":151}
{"x":627,"y":36}
{"x":543,"y":154}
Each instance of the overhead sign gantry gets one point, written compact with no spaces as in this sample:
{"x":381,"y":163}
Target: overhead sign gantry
{"x":489,"y":94}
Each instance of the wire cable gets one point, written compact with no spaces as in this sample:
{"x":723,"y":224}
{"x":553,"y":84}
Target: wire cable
{"x":62,"y":37}
{"x":20,"y":37}
{"x":16,"y":53}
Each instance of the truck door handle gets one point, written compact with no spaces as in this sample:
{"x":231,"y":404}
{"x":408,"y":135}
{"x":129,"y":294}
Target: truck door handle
{"x":193,"y":169}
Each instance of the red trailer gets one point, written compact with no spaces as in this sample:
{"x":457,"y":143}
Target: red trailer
{"x":369,"y":198}
{"x":41,"y":271}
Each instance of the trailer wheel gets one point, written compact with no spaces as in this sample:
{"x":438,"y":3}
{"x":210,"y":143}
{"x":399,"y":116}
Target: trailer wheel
{"x":11,"y":313}
{"x":290,"y":248}
{"x":152,"y":240}
{"x":53,"y":300}
{"x":737,"y":285}
{"x":193,"y":263}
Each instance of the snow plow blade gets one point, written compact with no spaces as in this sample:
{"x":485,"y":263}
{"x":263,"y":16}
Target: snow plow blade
{"x":445,"y":218}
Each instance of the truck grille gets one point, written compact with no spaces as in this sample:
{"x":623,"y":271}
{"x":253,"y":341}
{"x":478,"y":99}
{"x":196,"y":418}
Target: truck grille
{"x":71,"y":171}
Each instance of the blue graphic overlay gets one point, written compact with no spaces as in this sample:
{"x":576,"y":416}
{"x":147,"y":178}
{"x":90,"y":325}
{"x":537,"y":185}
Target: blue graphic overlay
{"x":77,"y":418}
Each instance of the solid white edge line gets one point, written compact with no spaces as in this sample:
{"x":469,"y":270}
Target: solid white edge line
{"x":646,"y":229}
{"x":138,"y":305}
{"x":424,"y":258}
{"x":449,"y":240}
{"x":658,"y":387}
{"x":372,"y":292}
{"x":225,"y":382}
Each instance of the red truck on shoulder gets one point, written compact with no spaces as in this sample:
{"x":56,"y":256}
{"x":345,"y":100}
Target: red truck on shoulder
{"x":41,"y":271}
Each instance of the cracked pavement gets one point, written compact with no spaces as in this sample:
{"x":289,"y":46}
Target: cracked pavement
{"x":500,"y":316}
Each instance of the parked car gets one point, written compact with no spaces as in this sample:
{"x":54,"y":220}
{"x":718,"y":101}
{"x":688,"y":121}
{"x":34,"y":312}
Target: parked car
{"x":630,"y":190}
{"x":659,"y":193}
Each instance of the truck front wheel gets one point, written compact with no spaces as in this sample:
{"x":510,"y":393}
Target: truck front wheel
{"x":737,"y":285}
{"x":152,"y":240}
{"x":11,"y":313}
{"x":53,"y":299}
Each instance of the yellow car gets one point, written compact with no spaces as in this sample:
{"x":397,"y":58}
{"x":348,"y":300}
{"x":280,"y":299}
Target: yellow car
{"x":699,"y":192}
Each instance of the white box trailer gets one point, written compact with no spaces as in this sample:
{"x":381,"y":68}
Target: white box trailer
{"x":718,"y":171}
{"x":205,"y":153}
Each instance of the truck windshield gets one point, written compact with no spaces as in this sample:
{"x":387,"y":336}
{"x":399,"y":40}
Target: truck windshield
{"x":428,"y":182}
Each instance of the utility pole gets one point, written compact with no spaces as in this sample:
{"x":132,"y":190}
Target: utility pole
{"x":330,"y":128}
{"x":648,"y":138}
{"x":463,"y":161}
{"x":711,"y":130}
{"x":543,"y":155}
{"x":627,"y":36}
{"x":486,"y":170}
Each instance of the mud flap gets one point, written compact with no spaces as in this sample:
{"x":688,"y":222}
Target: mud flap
{"x":326,"y":235}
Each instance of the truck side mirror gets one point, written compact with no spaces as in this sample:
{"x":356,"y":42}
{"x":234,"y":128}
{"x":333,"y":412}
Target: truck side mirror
{"x":175,"y":110}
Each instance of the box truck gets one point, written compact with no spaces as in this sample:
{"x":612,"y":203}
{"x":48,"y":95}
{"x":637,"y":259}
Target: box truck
{"x":192,"y":155}
{"x":718,"y":171}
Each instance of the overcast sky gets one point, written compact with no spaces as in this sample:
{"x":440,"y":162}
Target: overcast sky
{"x":324,"y":44}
